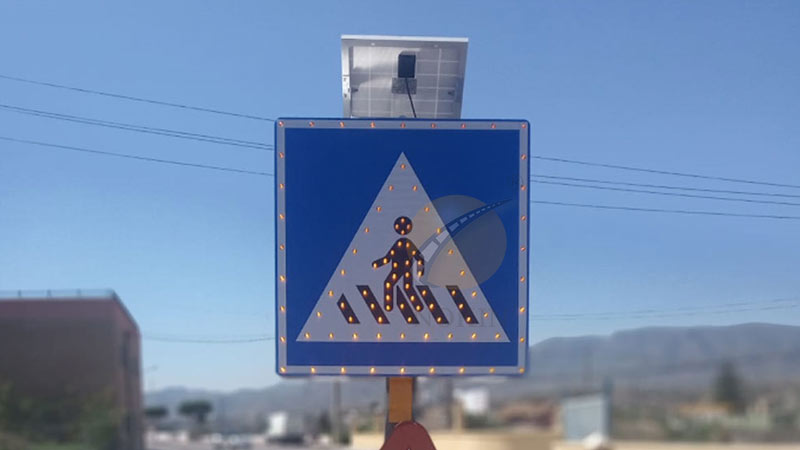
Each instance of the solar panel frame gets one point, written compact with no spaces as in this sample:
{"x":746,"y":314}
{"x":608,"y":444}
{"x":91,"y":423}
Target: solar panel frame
{"x":369,"y":65}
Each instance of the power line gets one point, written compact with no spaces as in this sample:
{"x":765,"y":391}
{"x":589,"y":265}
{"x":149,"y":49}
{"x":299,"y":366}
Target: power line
{"x":192,"y":340}
{"x":670,"y":194}
{"x":139,"y":128}
{"x":136,"y":99}
{"x":724,"y":308}
{"x":663,"y":186}
{"x":664,"y":172}
{"x":140,"y":158}
{"x":672,"y":211}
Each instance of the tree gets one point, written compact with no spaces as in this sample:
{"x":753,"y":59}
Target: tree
{"x":155,"y":413}
{"x":196,"y":409}
{"x":728,"y":388}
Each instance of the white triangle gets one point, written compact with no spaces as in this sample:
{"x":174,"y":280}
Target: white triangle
{"x":402,"y":195}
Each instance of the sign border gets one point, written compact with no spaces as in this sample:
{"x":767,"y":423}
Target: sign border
{"x":281,"y":124}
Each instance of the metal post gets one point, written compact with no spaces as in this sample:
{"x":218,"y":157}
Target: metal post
{"x":400,"y":402}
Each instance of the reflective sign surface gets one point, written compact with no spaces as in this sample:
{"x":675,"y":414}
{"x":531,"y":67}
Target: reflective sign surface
{"x":401,"y":247}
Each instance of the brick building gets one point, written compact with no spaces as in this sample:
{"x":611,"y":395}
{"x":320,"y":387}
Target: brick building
{"x":76,"y":355}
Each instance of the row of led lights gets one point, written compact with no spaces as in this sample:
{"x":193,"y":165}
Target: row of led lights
{"x":342,"y":124}
{"x":402,"y":371}
{"x":379,"y":336}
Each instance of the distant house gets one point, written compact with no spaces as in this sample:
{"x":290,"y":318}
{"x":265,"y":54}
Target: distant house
{"x":70,"y":368}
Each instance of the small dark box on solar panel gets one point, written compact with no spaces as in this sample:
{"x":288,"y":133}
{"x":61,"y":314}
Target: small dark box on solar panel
{"x":406,"y":64}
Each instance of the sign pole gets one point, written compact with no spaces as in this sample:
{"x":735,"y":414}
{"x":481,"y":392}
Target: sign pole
{"x":399,"y":402}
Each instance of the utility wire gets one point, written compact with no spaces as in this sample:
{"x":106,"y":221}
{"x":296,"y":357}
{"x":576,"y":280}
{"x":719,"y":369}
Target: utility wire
{"x":135,"y":99}
{"x":664,"y":172}
{"x":669,"y":194}
{"x":140,"y":158}
{"x":663,"y":186}
{"x":658,"y":210}
{"x":139,"y":128}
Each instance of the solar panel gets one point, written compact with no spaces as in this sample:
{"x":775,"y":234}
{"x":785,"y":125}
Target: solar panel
{"x":371,"y":86}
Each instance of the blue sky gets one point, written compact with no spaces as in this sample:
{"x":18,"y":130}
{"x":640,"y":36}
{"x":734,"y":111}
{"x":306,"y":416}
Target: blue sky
{"x":707,"y":87}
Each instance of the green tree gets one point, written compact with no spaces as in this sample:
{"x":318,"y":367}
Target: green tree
{"x":156,"y":413}
{"x":728,"y":388}
{"x":198,"y":410}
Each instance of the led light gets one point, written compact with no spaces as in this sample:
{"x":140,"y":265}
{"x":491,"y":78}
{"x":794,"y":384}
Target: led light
{"x":497,"y":335}
{"x":522,"y":309}
{"x":280,"y":123}
{"x":283,"y":278}
{"x":391,"y":187}
{"x":414,"y":188}
{"x":319,"y":314}
{"x":461,"y":370}
{"x":281,"y":185}
{"x":402,"y":370}
{"x":355,"y":336}
{"x":378,"y":336}
{"x":438,"y":230}
{"x":402,"y":125}
{"x":371,"y":370}
{"x":474,"y":293}
{"x":385,"y":260}
{"x":469,"y":319}
{"x":281,"y":216}
{"x":523,"y":218}
{"x":372,"y":124}
{"x":366,"y":230}
{"x":453,"y":292}
{"x":438,"y":320}
{"x":341,"y":124}
{"x":524,"y":125}
{"x":372,"y":306}
{"x":342,"y":305}
{"x":350,"y":319}
{"x":450,"y":252}
{"x":283,"y":369}
{"x":431,"y":370}
{"x":521,"y":370}
{"x":462,"y":273}
{"x":426,"y":336}
{"x":474,"y":335}
{"x":388,"y":297}
{"x":343,"y":272}
{"x":494,"y":126}
{"x":524,"y":156}
{"x":408,"y":263}
{"x":313,"y":370}
{"x":433,"y":125}
{"x":419,"y":273}
{"x":491,"y":370}
{"x":343,"y":370}
{"x":282,"y":247}
{"x":355,"y":251}
{"x":402,"y":335}
{"x":427,"y":209}
{"x":408,"y":274}
{"x":413,"y":297}
{"x":394,"y":264}
{"x":380,"y":319}
{"x":522,"y":188}
{"x":463,"y":125}
{"x":374,"y":265}
{"x":521,"y":279}
{"x":283,"y":309}
{"x":308,"y":335}
{"x":460,"y":306}
{"x":449,"y":335}
{"x":521,"y":340}
{"x":283,"y":339}
{"x":409,"y":320}
{"x":522,"y":249}
{"x":431,"y":306}
{"x":364,"y":293}
{"x":311,"y":124}
{"x":424,"y":292}
{"x":330,"y":335}
{"x":403,"y":166}
{"x":280,"y":155}
{"x":388,"y":308}
{"x":485,"y":315}
{"x":391,"y":252}
{"x":378,"y":209}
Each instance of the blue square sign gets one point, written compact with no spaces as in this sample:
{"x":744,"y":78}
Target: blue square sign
{"x":401,"y":247}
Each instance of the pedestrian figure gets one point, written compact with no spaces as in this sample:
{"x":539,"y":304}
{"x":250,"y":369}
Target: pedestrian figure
{"x":401,"y":256}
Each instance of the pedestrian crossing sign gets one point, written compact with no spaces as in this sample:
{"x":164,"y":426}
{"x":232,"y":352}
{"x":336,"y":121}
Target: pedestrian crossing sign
{"x":401,"y":247}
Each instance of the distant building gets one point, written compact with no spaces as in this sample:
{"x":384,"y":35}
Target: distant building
{"x":75,"y":356}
